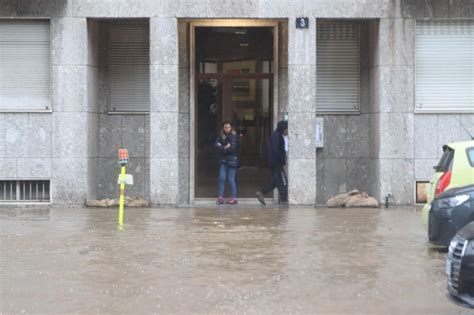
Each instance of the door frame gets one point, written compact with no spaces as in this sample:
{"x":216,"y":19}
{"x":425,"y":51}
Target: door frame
{"x":193,"y":134}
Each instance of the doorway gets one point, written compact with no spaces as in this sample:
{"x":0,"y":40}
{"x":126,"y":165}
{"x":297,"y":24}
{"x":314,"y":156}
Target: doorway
{"x":233,"y":72}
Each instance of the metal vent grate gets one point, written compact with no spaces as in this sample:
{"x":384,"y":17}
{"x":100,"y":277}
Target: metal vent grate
{"x":25,"y":190}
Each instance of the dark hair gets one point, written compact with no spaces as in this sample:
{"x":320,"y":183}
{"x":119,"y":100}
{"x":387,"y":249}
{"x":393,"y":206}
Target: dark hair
{"x":222,"y":132}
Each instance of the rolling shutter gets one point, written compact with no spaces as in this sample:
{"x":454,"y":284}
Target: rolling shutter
{"x":25,"y":73}
{"x":337,"y":68}
{"x":129,"y":67}
{"x":445,"y":66}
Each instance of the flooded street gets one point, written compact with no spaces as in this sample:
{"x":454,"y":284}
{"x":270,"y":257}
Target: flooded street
{"x":227,"y":260}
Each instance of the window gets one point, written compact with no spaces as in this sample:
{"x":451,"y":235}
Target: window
{"x":337,"y":67}
{"x":470,"y":156}
{"x":445,"y":66}
{"x":446,"y":161}
{"x":129,"y":67}
{"x":25,"y":73}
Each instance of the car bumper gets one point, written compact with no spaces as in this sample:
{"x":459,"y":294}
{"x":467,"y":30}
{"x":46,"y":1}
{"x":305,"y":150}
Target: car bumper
{"x":441,"y":230}
{"x":465,"y":298}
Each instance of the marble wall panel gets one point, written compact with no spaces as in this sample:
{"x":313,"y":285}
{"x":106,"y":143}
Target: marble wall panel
{"x":358,"y":130}
{"x":110,"y":135}
{"x":425,"y":9}
{"x":39,"y":135}
{"x":69,"y":88}
{"x":184,"y":187}
{"x":31,"y":168}
{"x":164,"y":88}
{"x":282,"y":8}
{"x":8,"y":168}
{"x":69,"y":181}
{"x":358,"y":174}
{"x":164,"y":135}
{"x":348,"y":8}
{"x":35,"y":8}
{"x":164,"y":183}
{"x":395,"y":89}
{"x":335,"y":180}
{"x":69,"y":41}
{"x":302,"y":44}
{"x":461,"y":9}
{"x":2,"y":136}
{"x":107,"y":175}
{"x":184,"y":8}
{"x":394,"y":42}
{"x":95,"y":8}
{"x":424,"y":168}
{"x":301,"y":131}
{"x":449,"y":130}
{"x":69,"y":135}
{"x":320,"y":178}
{"x":139,"y":8}
{"x":335,"y":136}
{"x":302,"y":88}
{"x":16,"y":135}
{"x":184,"y":136}
{"x":164,"y":48}
{"x":467,"y":126}
{"x":184,"y":91}
{"x":426,"y":134}
{"x":232,"y":8}
{"x":397,"y":178}
{"x":397,"y":135}
{"x":302,"y":181}
{"x":134,"y":135}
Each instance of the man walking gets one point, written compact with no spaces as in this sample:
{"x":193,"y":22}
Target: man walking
{"x":277,"y":160}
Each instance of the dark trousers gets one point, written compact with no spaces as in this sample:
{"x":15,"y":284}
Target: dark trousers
{"x":279,"y":181}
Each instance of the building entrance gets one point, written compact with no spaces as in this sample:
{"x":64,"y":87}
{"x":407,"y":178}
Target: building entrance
{"x":233,"y":81}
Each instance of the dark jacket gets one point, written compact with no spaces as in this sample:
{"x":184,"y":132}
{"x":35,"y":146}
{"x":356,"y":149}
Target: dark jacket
{"x":276,"y":146}
{"x":231,"y":153}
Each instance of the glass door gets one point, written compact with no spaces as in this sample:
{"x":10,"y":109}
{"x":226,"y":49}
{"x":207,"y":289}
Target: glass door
{"x":234,"y":81}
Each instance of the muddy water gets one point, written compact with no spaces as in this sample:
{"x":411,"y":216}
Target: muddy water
{"x":298,"y":260}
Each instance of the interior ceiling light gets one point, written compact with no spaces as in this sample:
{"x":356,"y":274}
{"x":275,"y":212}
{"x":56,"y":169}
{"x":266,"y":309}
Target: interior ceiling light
{"x":243,"y":44}
{"x":241,"y":32}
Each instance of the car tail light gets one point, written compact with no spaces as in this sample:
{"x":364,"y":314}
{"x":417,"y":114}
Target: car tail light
{"x":443,"y":182}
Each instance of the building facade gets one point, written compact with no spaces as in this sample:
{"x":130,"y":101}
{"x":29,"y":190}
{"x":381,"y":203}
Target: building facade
{"x":387,"y":82}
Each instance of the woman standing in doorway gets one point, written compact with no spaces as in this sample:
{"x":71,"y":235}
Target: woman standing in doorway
{"x":228,"y":146}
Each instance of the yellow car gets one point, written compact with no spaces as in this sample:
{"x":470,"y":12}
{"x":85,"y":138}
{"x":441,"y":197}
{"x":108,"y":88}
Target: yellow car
{"x":454,"y":169}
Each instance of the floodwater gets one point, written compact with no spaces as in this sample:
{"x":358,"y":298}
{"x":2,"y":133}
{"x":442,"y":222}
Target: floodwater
{"x":220,"y":260}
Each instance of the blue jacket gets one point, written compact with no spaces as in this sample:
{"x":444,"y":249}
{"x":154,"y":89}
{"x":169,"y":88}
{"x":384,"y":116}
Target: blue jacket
{"x":231,"y":153}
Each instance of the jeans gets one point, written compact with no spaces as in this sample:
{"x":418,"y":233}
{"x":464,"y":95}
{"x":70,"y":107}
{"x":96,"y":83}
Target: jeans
{"x":228,"y":172}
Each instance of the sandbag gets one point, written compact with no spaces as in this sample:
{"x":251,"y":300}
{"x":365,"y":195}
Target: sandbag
{"x":128,"y":202}
{"x":352,"y":200}
{"x":137,"y":202}
{"x":337,"y":201}
{"x":97,"y":203}
{"x":369,"y":202}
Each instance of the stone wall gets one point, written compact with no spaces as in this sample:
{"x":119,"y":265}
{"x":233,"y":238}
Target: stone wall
{"x":344,"y":162}
{"x":114,"y":131}
{"x":75,"y":145}
{"x":25,"y":146}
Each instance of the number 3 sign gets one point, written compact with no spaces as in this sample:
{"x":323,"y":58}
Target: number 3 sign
{"x":302,"y":22}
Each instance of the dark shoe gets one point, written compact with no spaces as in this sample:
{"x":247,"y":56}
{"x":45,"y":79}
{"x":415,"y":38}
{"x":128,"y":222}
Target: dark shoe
{"x":232,"y":201}
{"x":220,"y":201}
{"x":260,"y":197}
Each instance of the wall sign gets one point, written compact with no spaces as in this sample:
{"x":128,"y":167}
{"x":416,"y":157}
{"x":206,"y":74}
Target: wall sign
{"x":302,"y":22}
